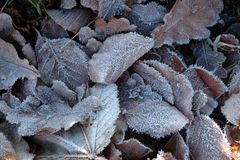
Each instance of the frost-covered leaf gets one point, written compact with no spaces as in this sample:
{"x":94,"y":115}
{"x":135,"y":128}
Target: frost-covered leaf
{"x":206,"y":140}
{"x":187,"y":20}
{"x":234,"y":85}
{"x":181,"y":87}
{"x":133,"y":149}
{"x":67,"y":64}
{"x":209,"y":59}
{"x":171,"y":58}
{"x":109,"y":8}
{"x":177,"y":147}
{"x":93,"y":46}
{"x":158,"y":119}
{"x":113,"y":26}
{"x":6,"y":150}
{"x":85,"y":34}
{"x":93,"y":4}
{"x":117,"y":53}
{"x":89,"y":140}
{"x":12,"y":67}
{"x":202,"y":79}
{"x":164,"y":156}
{"x":146,"y":16}
{"x":68,"y":4}
{"x":71,"y":20}
{"x":35,"y":118}
{"x":231,"y":109}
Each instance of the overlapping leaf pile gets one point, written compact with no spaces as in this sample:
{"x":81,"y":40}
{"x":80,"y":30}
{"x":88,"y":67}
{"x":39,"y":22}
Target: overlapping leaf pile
{"x":124,"y":76}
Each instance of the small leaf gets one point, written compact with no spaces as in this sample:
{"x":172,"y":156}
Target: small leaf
{"x":117,"y":53}
{"x":68,"y":4}
{"x":164,"y":156}
{"x":133,"y":149}
{"x":187,"y":20}
{"x":85,"y":34}
{"x":206,"y":140}
{"x":12,"y":67}
{"x":67,"y":64}
{"x":93,"y":4}
{"x":6,"y":150}
{"x":234,"y":85}
{"x":71,"y":20}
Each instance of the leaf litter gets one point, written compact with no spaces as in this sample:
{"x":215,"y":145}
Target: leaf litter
{"x":120,"y":79}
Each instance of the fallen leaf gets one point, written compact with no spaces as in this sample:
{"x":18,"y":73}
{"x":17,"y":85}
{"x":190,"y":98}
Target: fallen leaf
{"x":12,"y":67}
{"x":68,"y":4}
{"x":146,"y":16}
{"x":206,"y":140}
{"x":6,"y":150}
{"x":164,"y":156}
{"x":234,"y":85}
{"x":85,"y":34}
{"x":133,"y":149}
{"x":93,"y":4}
{"x":71,"y":20}
{"x":67,"y":64}
{"x":117,"y":53}
{"x":188,"y":19}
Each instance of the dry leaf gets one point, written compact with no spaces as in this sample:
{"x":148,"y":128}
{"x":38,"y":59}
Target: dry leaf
{"x":68,"y":4}
{"x":117,"y":53}
{"x":146,"y":16}
{"x":89,"y":140}
{"x":206,"y":140}
{"x":164,"y":156}
{"x":209,"y":59}
{"x":177,"y":147}
{"x":234,"y":85}
{"x":111,"y":153}
{"x":202,"y":79}
{"x":93,"y":46}
{"x":67,"y":64}
{"x":113,"y":26}
{"x":12,"y":67}
{"x":158,"y":119}
{"x":85,"y":34}
{"x":93,"y":4}
{"x":187,"y":20}
{"x":110,"y":8}
{"x":71,"y":20}
{"x":40,"y":119}
{"x":133,"y":149}
{"x":231,"y":108}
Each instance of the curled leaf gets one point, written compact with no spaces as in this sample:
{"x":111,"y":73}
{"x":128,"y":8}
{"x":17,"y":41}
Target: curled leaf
{"x":187,"y":20}
{"x":117,"y":53}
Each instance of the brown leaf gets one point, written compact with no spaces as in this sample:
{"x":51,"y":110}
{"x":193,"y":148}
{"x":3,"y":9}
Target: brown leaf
{"x":187,"y":20}
{"x":117,"y":53}
{"x":209,"y":59}
{"x":146,"y":16}
{"x":67,"y":64}
{"x":133,"y":149}
{"x":202,"y":79}
{"x":177,"y":147}
{"x":71,"y":20}
{"x":231,"y":108}
{"x":113,"y":26}
{"x":206,"y":140}
{"x":12,"y":67}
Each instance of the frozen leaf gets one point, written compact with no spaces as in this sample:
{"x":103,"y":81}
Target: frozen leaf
{"x":113,"y":26}
{"x":34,"y":119}
{"x":117,"y":53}
{"x":93,"y":46}
{"x":156,"y":80}
{"x":62,"y":90}
{"x":85,"y":34}
{"x":178,"y":147}
{"x":199,"y":100}
{"x":209,"y":59}
{"x":29,"y":53}
{"x":71,"y":20}
{"x":112,"y":153}
{"x":202,"y":79}
{"x":89,"y":140}
{"x":52,"y":30}
{"x":209,"y":107}
{"x":231,"y":109}
{"x":181,"y":87}
{"x":12,"y":67}
{"x":158,"y":119}
{"x":146,"y":16}
{"x":68,"y":4}
{"x":206,"y":140}
{"x":234,"y":86}
{"x":187,"y":20}
{"x":93,"y":4}
{"x":171,"y":58}
{"x":109,"y":8}
{"x":133,"y":149}
{"x":67,"y":64}
{"x":121,"y":128}
{"x":6,"y":150}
